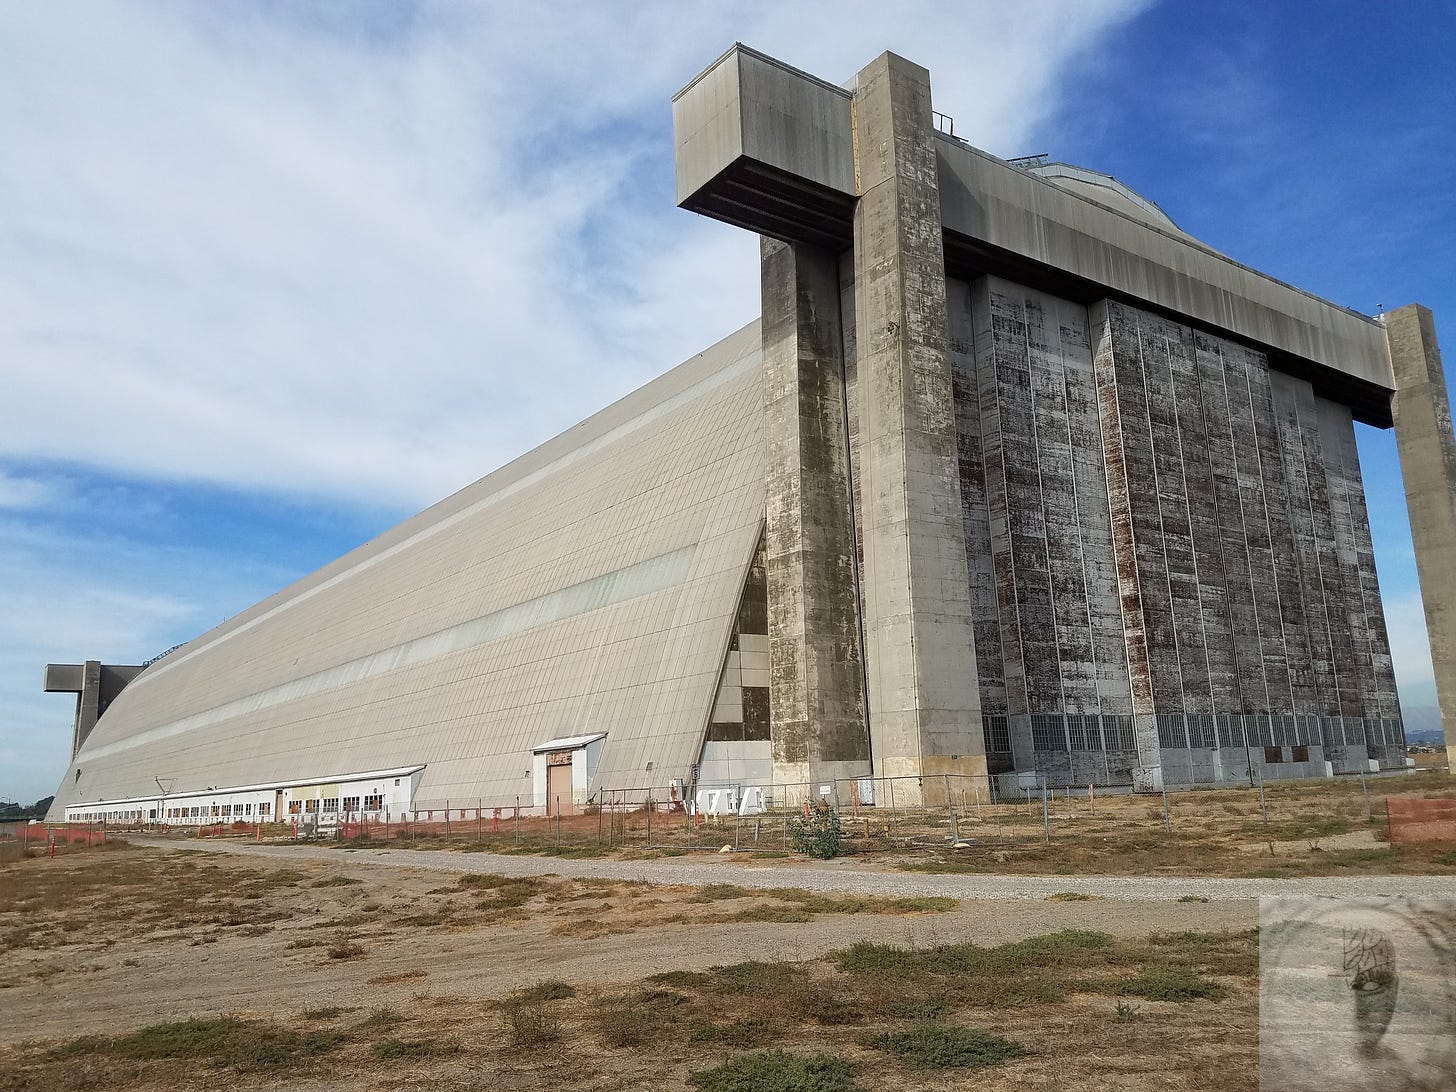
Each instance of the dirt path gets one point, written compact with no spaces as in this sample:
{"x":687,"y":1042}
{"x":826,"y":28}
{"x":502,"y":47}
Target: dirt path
{"x":109,"y":977}
{"x":838,"y":877}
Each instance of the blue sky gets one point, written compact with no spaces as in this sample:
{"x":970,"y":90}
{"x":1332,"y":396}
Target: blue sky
{"x":274,"y":277}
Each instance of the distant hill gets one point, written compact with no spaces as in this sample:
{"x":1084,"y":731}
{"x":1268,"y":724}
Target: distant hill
{"x":1423,"y":724}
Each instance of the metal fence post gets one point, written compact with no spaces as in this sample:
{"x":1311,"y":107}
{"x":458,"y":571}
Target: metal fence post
{"x":1046,"y":816}
{"x":1365,"y":788}
{"x":1167,"y":818}
{"x":950,"y":807}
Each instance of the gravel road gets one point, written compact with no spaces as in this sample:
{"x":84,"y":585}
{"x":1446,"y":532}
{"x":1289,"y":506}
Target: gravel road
{"x":837,"y":877}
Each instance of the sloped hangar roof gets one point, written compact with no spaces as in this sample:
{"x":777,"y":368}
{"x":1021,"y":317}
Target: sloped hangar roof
{"x":587,"y":587}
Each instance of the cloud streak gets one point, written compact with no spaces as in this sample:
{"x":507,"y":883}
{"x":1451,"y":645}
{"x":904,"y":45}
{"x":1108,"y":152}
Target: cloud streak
{"x":355,"y":257}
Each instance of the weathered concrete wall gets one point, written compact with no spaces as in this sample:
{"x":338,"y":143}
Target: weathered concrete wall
{"x":1034,"y":495}
{"x":925,"y":715}
{"x":1428,"y":466}
{"x":816,"y":687}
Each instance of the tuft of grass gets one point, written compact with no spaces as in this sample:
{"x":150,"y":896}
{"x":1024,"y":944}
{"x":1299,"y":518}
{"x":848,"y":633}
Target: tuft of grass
{"x":1159,"y":982}
{"x":325,"y":1012}
{"x":749,"y":1032}
{"x":336,"y":881}
{"x":1071,"y":896}
{"x":381,"y":1018}
{"x":1192,"y":898}
{"x":918,"y":1008}
{"x":395,"y":1049}
{"x":229,"y":1042}
{"x":777,"y":1071}
{"x":552,"y":989}
{"x":947,"y":1046}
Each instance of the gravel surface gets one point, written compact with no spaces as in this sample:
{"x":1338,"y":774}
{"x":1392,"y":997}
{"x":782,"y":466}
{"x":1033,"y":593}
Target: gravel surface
{"x":838,"y":877}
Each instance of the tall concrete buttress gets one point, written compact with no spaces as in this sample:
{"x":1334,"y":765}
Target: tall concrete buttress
{"x":816,"y":679}
{"x":1427,"y":448}
{"x":925,"y":712}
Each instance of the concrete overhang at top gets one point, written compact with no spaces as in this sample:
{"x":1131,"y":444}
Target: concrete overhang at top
{"x":769,"y":148}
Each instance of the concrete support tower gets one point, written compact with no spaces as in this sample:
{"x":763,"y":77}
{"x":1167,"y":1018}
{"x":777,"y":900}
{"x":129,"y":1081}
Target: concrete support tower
{"x":925,"y":713}
{"x":1427,"y":449}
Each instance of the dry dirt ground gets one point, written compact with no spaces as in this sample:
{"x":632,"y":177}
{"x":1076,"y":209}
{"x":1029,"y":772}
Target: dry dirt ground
{"x":162,"y":968}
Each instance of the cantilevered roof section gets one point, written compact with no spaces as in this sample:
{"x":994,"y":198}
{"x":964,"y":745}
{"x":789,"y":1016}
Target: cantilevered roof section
{"x":589,"y":586}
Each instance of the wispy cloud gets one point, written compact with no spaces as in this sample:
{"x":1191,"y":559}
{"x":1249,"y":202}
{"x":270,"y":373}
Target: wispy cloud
{"x":359,"y":255}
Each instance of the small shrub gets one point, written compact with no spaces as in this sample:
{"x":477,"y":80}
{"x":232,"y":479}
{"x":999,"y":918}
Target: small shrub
{"x":1192,"y":898}
{"x":1125,"y":1013}
{"x":945,"y":1046}
{"x":345,"y":947}
{"x":817,"y":834}
{"x":530,"y":1017}
{"x":777,"y":1071}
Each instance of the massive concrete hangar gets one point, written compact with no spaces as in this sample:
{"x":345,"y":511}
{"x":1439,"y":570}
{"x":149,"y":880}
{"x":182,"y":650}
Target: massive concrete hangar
{"x":1100,"y":491}
{"x":1012,"y":476}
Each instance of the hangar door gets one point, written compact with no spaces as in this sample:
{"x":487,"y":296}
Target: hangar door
{"x":558,"y":784}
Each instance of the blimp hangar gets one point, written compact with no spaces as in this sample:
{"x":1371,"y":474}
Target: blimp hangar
{"x":1013,"y":476}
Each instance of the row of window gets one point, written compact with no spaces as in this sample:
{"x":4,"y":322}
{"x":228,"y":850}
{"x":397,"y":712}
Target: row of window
{"x":221,"y":811}
{"x":1207,"y":731}
{"x":132,"y":815}
{"x":1115,"y":731}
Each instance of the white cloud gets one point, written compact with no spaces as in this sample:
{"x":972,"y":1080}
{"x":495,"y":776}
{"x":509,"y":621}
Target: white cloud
{"x":367,"y":253}
{"x":306,"y":251}
{"x":23,"y":492}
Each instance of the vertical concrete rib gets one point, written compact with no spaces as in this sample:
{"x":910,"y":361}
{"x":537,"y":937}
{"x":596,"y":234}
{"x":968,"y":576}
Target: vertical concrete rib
{"x":1427,"y":450}
{"x":1293,"y":635}
{"x":1242,"y":620}
{"x":816,"y":684}
{"x":996,"y":338}
{"x":1127,"y":456}
{"x":1319,"y":695}
{"x":925,"y":715}
{"x":1335,"y":425}
{"x":965,"y":340}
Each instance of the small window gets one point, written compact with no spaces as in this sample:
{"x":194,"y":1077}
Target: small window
{"x":373,"y":803}
{"x":264,"y":808}
{"x":351,"y":803}
{"x":1301,"y":754}
{"x":1273,"y":754}
{"x":310,"y":805}
{"x":295,"y":806}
